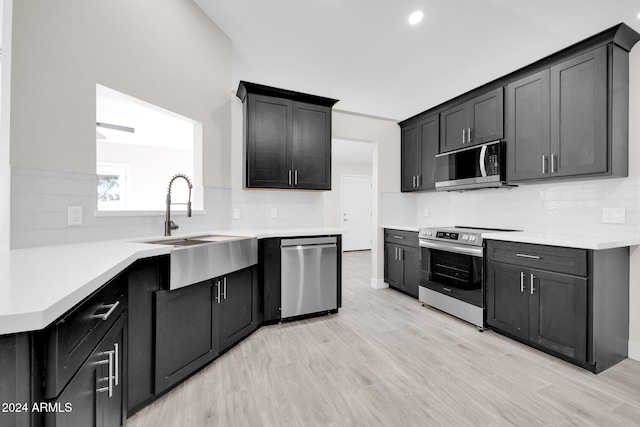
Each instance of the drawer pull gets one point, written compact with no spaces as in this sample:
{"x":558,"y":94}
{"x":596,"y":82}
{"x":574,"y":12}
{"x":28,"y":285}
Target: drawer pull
{"x":398,"y":237}
{"x":528,"y":256}
{"x":446,"y":289}
{"x":105,"y":316}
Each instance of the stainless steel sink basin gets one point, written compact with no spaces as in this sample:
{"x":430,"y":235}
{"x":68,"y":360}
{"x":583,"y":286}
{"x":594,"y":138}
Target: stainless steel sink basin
{"x":200,"y":258}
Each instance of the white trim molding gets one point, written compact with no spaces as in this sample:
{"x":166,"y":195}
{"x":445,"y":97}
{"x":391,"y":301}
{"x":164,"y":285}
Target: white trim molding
{"x":378,"y":283}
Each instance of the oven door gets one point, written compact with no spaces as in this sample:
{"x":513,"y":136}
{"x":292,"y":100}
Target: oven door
{"x":453,"y":270}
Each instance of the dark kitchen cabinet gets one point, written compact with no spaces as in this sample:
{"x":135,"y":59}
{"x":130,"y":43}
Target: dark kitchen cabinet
{"x":237,"y":301}
{"x":186,"y":331}
{"x":570,"y":120}
{"x":419,"y":146}
{"x":95,"y":395}
{"x":144,"y":278}
{"x":402,"y":261}
{"x":572,"y":303}
{"x":476,"y":121}
{"x":287,"y":138}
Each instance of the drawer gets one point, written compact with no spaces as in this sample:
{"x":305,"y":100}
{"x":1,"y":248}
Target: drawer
{"x":401,"y":237}
{"x":72,"y":338}
{"x":551,"y":258}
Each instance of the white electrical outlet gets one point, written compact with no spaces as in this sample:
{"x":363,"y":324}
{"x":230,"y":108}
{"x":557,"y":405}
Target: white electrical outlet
{"x":74,"y":215}
{"x":274,"y":212}
{"x":426,"y":211}
{"x":236,"y":213}
{"x":614,"y":215}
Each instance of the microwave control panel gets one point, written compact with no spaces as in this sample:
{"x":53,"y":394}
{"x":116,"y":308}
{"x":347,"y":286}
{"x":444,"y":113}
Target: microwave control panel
{"x":493,"y":160}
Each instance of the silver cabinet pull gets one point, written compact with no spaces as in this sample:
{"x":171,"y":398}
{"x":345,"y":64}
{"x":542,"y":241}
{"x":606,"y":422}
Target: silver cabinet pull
{"x":105,"y":316}
{"x":469,"y":135}
{"x":400,"y":251}
{"x":295,"y":177}
{"x":553,"y":164}
{"x":544,"y":164}
{"x":464,"y":136}
{"x":528,"y":256}
{"x":398,"y":237}
{"x":418,"y":180}
{"x":289,"y":176}
{"x":117,"y":356}
{"x":224,"y":291}
{"x":446,"y":289}
{"x":522,"y":281}
{"x":414,"y":181}
{"x":396,"y":249}
{"x":218,"y":291}
{"x":532,"y":288}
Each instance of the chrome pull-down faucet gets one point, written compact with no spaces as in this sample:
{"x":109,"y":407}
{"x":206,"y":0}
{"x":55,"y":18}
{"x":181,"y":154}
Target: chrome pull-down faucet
{"x":168,"y":224}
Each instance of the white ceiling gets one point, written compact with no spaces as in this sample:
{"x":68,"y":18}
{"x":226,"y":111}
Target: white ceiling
{"x":364,"y":52}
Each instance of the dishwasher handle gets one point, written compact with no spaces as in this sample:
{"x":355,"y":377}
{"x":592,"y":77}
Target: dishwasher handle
{"x":307,"y":247}
{"x":308,"y":241}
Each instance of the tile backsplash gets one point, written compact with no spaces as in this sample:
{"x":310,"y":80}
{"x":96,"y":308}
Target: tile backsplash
{"x":40,"y":198}
{"x":562,"y":207}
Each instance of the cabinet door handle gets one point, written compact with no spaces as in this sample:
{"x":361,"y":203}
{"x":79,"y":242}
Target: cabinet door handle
{"x":532,"y":288}
{"x":419,"y":180}
{"x":396,"y":253}
{"x":446,"y":289}
{"x":469,"y":135}
{"x":105,"y":316}
{"x":218,"y":291}
{"x":109,"y":379}
{"x":224,"y":291}
{"x":413,"y":183}
{"x":400,"y":251}
{"x":544,"y":164}
{"x":464,"y":136}
{"x":295,"y":177}
{"x":522,"y":281}
{"x":116,"y":357}
{"x":289,"y":176}
{"x":528,"y":256}
{"x":553,"y":164}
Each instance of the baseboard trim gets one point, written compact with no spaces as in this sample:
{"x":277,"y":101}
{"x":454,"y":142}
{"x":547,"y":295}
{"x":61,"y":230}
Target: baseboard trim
{"x":634,"y":350}
{"x":378,"y":284}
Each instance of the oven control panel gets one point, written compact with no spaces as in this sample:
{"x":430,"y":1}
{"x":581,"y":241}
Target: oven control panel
{"x":447,"y":235}
{"x":463,"y":236}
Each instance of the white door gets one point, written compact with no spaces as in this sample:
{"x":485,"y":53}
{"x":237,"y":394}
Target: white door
{"x":356,"y":212}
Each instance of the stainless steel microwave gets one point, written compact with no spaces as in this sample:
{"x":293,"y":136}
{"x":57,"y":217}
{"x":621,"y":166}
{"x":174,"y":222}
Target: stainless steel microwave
{"x":479,"y":166}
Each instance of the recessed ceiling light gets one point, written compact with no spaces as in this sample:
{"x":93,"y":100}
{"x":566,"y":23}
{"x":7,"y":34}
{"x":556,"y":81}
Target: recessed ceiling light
{"x":415,"y":17}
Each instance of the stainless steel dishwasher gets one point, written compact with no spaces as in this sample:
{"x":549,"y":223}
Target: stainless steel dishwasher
{"x":309,"y":281}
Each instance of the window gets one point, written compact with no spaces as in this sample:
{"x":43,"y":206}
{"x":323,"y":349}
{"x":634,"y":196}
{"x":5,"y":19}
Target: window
{"x":139,"y":148}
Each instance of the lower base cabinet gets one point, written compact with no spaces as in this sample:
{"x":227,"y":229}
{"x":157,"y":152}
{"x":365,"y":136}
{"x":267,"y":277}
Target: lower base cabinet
{"x":196,"y":323}
{"x":402,"y":261}
{"x":571,"y":303}
{"x":95,"y":395}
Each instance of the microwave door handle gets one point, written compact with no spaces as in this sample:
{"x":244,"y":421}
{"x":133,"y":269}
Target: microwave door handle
{"x":483,"y":160}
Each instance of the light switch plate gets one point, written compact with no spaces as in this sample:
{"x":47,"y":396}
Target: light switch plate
{"x":614,"y":216}
{"x":426,"y":211}
{"x":74,"y":215}
{"x":236,"y":213}
{"x":274,"y":212}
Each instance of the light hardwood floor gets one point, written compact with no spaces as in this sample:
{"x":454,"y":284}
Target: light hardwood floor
{"x":384,"y":360}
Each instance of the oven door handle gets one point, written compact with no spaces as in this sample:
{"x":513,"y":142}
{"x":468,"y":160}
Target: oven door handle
{"x":450,"y":247}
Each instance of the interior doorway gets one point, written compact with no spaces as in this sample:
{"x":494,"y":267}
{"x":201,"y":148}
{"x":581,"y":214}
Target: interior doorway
{"x":356,"y":212}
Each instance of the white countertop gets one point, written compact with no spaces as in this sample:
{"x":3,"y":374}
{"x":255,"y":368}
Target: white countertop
{"x":403,"y":227}
{"x":38,"y":285}
{"x":564,"y":240}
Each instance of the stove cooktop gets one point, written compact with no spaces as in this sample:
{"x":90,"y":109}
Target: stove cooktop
{"x":459,"y":234}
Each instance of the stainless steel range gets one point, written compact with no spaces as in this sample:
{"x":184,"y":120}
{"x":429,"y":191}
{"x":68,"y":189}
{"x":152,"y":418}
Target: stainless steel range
{"x":451,"y":276}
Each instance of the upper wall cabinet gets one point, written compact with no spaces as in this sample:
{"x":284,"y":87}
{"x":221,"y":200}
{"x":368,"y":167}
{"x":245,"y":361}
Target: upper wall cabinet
{"x":473,"y":122}
{"x":419,"y":146}
{"x":558,"y":118}
{"x":287,"y":138}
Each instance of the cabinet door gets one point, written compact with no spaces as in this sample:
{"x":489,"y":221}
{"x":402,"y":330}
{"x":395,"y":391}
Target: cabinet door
{"x":486,"y":117}
{"x":410,"y":262}
{"x":94,"y":397}
{"x":528,"y":118}
{"x":428,"y":133}
{"x":409,"y":157}
{"x":579,"y":138}
{"x":392,"y":270}
{"x":311,"y":153}
{"x":269,"y":141}
{"x":144,"y":279}
{"x":453,"y":128}
{"x":558,"y":306}
{"x":507,"y":299}
{"x":186,"y":332}
{"x":237,"y":307}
